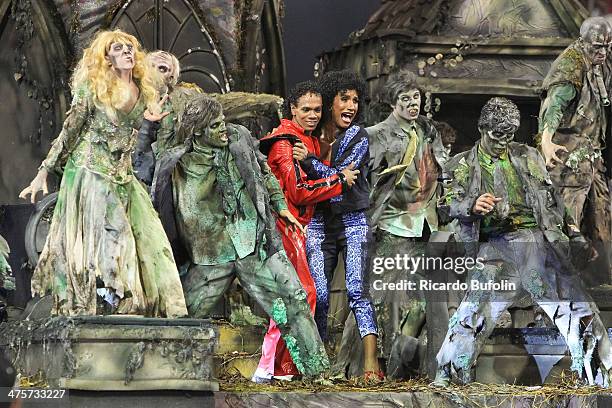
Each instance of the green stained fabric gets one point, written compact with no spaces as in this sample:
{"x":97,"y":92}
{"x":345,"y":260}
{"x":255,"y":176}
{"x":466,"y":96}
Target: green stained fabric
{"x":274,"y":285}
{"x":520,"y":215}
{"x":104,"y":227}
{"x":582,"y":131}
{"x":558,"y":99}
{"x":177,"y":99}
{"x":413,"y":201}
{"x":203,"y":210}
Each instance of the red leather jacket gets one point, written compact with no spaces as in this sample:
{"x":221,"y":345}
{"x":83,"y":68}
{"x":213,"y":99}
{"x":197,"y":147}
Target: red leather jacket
{"x":301,"y":194}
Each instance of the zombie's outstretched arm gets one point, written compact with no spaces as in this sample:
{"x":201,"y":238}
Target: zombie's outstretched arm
{"x":277,"y":198}
{"x":298,"y":189}
{"x":557,"y":100}
{"x":71,"y":130}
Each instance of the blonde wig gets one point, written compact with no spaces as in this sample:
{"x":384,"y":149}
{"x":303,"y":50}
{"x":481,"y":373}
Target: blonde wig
{"x":94,"y":72}
{"x":174,"y":65}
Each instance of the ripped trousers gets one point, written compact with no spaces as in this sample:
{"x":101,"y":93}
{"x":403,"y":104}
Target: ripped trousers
{"x":274,"y":285}
{"x":521,"y":259}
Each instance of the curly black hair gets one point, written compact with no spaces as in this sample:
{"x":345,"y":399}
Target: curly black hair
{"x":333,"y":83}
{"x":296,"y":93}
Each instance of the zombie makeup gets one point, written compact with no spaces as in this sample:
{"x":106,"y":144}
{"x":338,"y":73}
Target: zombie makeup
{"x":162,"y":63}
{"x":307,"y":113}
{"x":215,"y":134}
{"x":345,"y":108}
{"x":499,"y":120}
{"x":495,"y":142}
{"x":595,"y":35}
{"x":596,"y":51}
{"x":408,"y":105}
{"x":121,"y":56}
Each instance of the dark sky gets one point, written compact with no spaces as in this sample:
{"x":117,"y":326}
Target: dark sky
{"x":313,"y":26}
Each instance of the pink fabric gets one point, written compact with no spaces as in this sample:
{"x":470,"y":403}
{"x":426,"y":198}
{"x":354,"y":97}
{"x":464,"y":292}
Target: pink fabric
{"x":268,"y":351}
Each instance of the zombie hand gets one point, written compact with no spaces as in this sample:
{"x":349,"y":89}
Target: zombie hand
{"x":485,"y":204}
{"x":38,"y":184}
{"x":155,"y":114}
{"x":299,"y":151}
{"x":292,"y":221}
{"x":550,"y":149}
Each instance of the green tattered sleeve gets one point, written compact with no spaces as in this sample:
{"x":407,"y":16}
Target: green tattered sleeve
{"x":557,"y":99}
{"x":71,"y":130}
{"x":277,"y":198}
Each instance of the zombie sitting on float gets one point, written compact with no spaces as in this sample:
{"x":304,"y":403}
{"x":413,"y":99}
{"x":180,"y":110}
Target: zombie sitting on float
{"x":224,"y":199}
{"x":502,"y":196}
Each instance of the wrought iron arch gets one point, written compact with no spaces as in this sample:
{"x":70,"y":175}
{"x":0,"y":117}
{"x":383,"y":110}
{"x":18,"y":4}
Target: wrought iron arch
{"x":176,"y":27}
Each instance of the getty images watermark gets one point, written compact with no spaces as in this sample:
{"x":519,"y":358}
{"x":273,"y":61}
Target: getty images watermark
{"x":425,"y":264}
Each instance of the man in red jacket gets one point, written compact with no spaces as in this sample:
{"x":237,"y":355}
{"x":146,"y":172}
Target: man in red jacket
{"x":303,"y":106}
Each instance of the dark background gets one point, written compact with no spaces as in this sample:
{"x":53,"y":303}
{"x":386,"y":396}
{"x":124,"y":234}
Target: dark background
{"x":313,"y":26}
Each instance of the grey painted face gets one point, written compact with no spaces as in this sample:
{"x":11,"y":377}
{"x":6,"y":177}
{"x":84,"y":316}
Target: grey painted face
{"x":408,"y":105}
{"x":499,"y":119}
{"x":121,"y":56}
{"x":163,"y":65}
{"x":495,"y":141}
{"x":215,"y":134}
{"x":596,"y":34}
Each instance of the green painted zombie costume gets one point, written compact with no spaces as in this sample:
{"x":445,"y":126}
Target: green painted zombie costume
{"x":405,"y":166}
{"x":522,"y":243}
{"x":224,"y":198}
{"x":573,"y":109}
{"x":105,"y":233}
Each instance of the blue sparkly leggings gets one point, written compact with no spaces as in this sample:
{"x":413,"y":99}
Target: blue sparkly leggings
{"x":328,"y":235}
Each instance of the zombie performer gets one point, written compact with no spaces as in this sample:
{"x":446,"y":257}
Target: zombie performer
{"x":105,"y":237}
{"x":502,"y":196}
{"x":341,"y":225}
{"x":573,"y":122}
{"x":236,"y":106}
{"x":302,"y":112}
{"x":405,"y":157}
{"x":224,"y":196}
